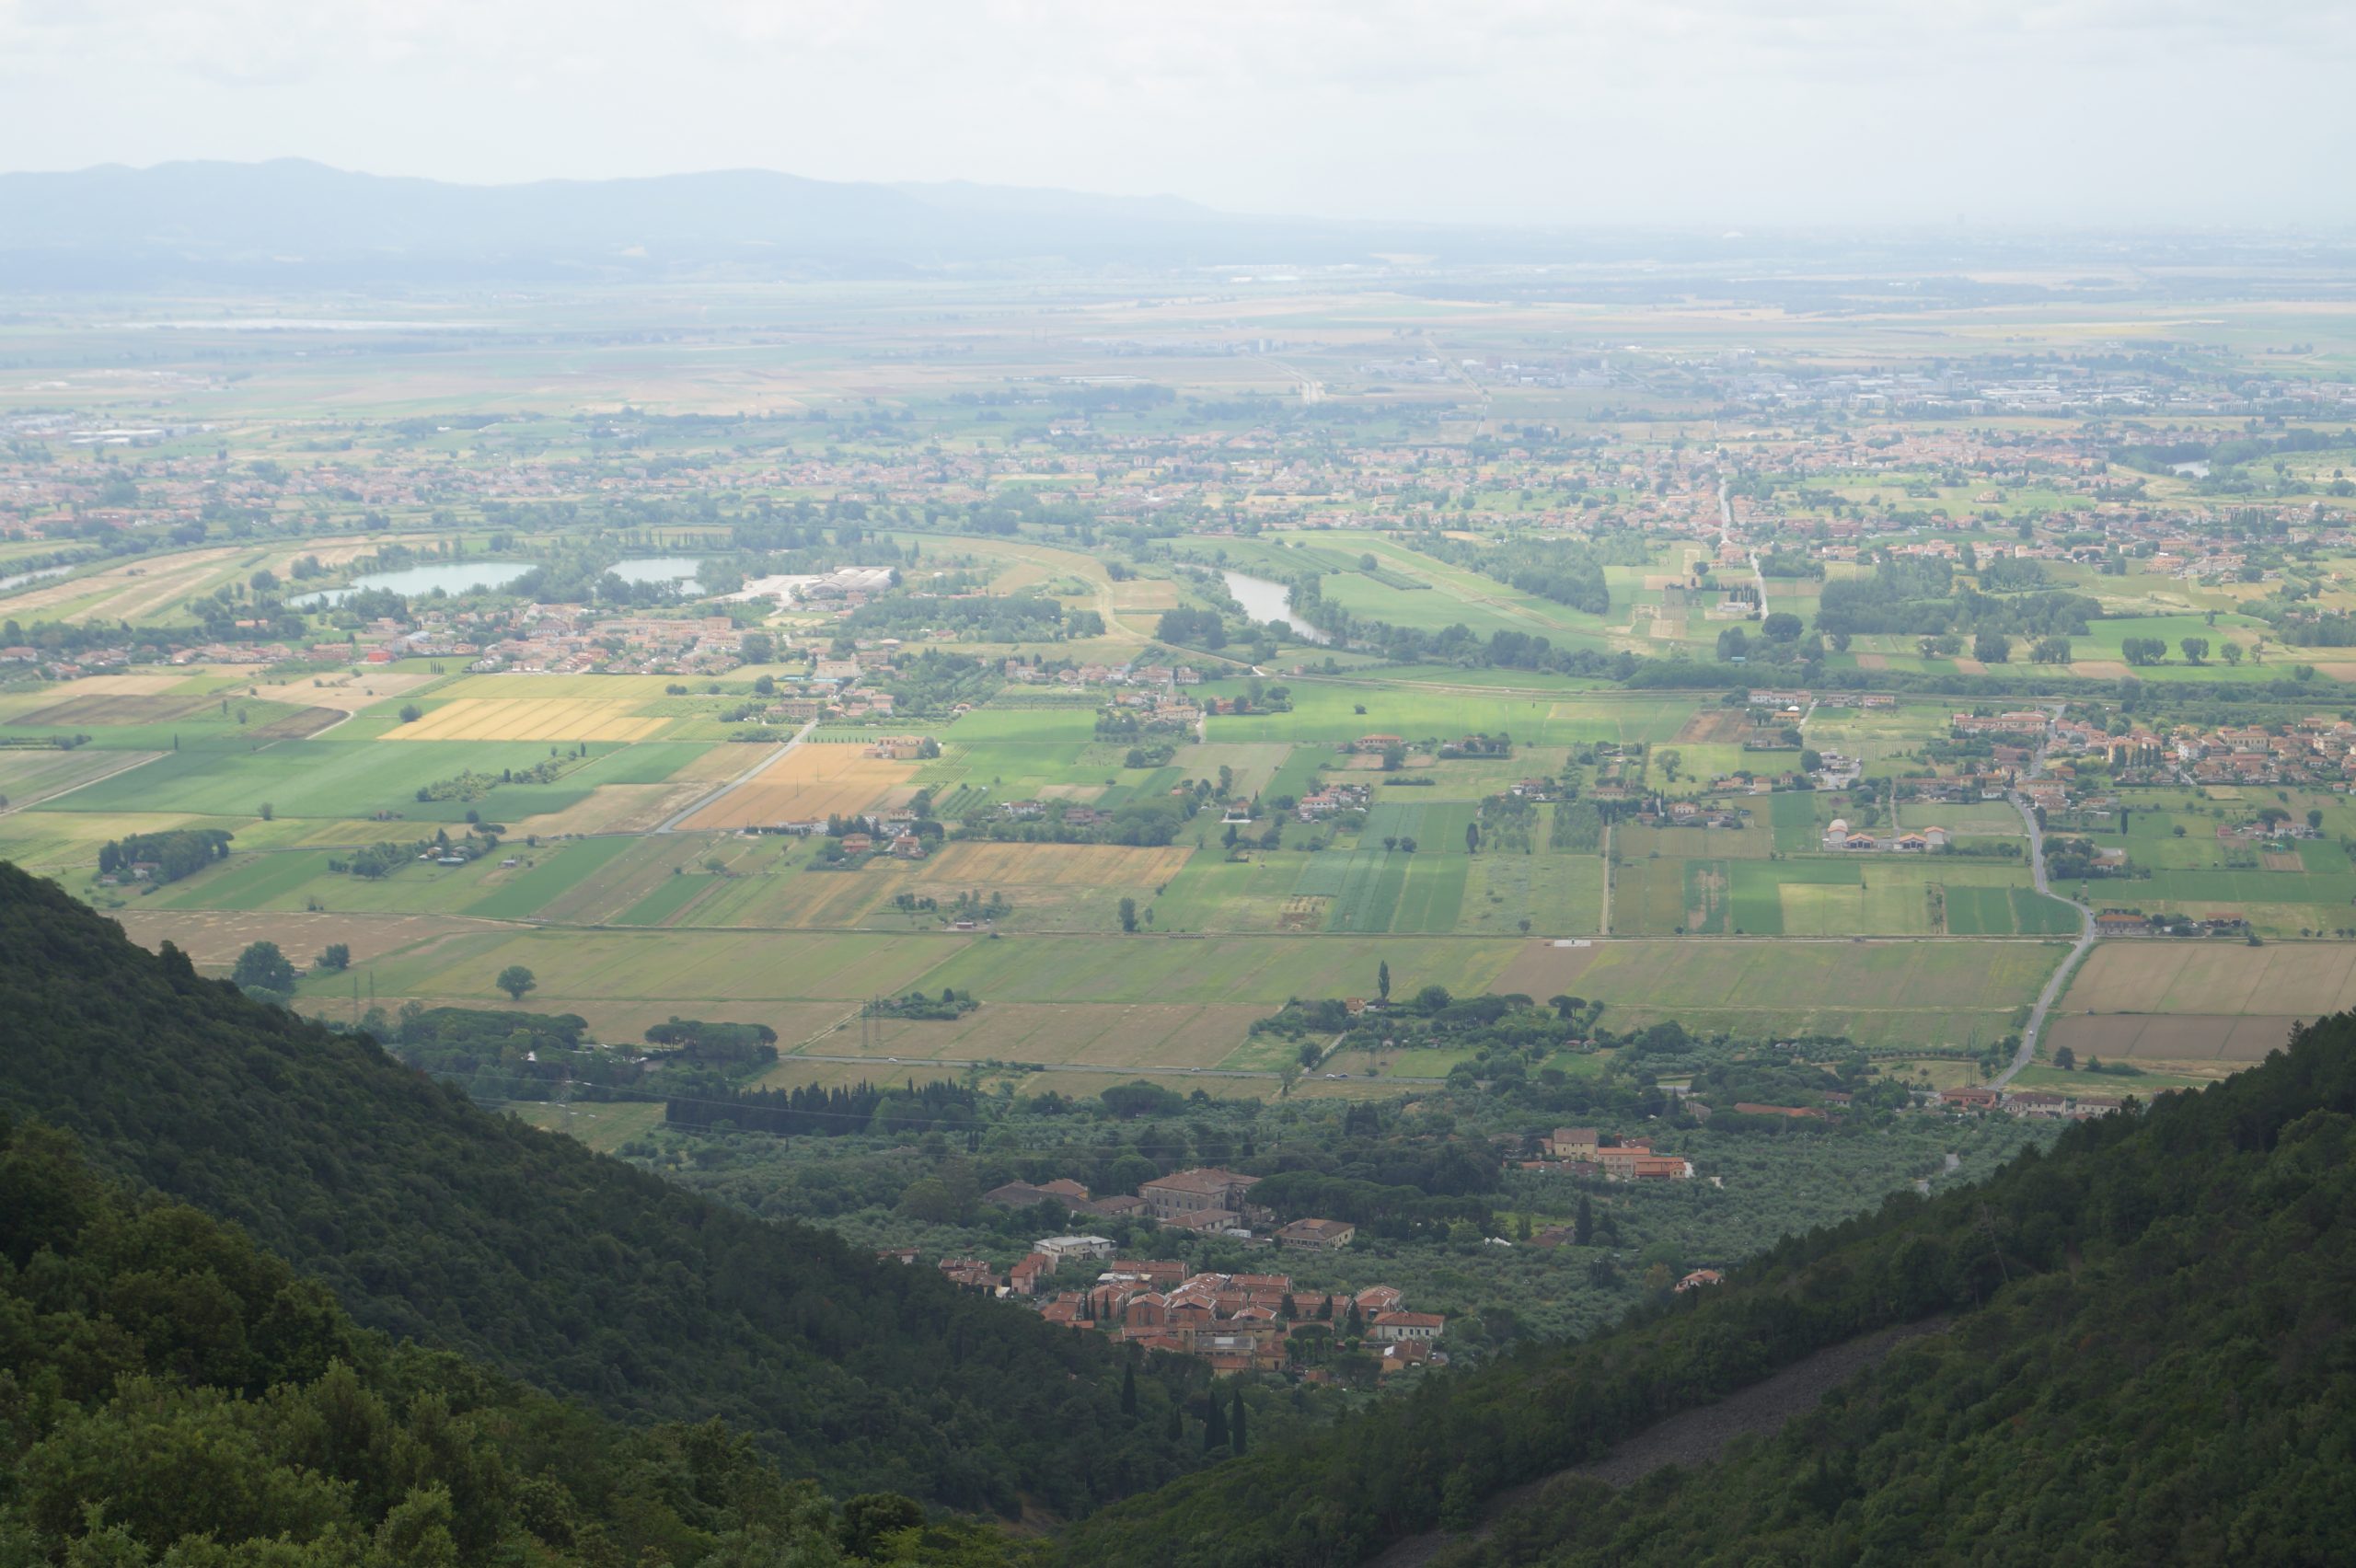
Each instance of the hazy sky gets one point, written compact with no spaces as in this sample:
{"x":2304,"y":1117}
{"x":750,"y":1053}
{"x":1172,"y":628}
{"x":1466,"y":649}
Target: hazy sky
{"x":1704,"y":111}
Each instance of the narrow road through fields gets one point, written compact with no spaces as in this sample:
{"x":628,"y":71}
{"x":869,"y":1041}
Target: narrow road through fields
{"x":738,"y":782}
{"x":2054,"y":988}
{"x":1725,"y":536}
{"x":26,"y":802}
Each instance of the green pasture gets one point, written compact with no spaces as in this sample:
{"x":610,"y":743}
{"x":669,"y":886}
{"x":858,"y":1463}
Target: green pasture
{"x":1559,"y":895}
{"x":1213,"y":893}
{"x":1877,"y":993}
{"x":1261,"y":970}
{"x":324,"y":778}
{"x":1325,"y":712}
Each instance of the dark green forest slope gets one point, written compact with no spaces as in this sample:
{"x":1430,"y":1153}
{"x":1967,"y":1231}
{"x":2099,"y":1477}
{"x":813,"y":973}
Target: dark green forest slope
{"x":434,"y":1221}
{"x":170,"y":1393}
{"x":2152,"y":1360}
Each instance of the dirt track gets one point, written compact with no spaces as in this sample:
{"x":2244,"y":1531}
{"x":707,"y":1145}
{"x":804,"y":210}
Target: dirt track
{"x":1694,"y":1436}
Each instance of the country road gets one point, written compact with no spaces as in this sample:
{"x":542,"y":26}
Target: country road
{"x":1726,"y":535}
{"x":671,"y":822}
{"x":2054,"y":988}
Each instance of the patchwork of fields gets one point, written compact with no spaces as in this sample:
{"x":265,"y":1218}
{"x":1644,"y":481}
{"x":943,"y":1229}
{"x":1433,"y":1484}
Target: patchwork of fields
{"x":628,"y":914}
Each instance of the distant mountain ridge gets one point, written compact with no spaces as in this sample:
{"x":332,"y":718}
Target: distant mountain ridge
{"x":294,"y":218}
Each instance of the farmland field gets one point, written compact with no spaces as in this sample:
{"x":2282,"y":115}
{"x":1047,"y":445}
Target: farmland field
{"x":1524,"y":578}
{"x":1877,"y":992}
{"x":528,"y":718}
{"x":1087,"y":865}
{"x":30,"y":777}
{"x":811,"y":782}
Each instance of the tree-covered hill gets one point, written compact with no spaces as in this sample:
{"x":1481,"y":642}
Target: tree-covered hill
{"x":170,"y":1393}
{"x":434,"y":1221}
{"x":2151,"y":1360}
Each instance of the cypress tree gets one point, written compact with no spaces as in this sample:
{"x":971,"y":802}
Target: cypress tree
{"x":1129,"y":1390}
{"x":1582,"y":1227}
{"x":1235,"y":1428}
{"x":1215,"y":1429}
{"x":1177,"y":1431}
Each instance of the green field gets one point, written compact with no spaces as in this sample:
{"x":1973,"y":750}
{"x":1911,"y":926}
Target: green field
{"x":327,"y":778}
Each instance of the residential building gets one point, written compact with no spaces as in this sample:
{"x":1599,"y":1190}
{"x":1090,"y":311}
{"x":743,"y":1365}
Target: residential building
{"x":1197,"y":1196}
{"x":1317,"y":1235}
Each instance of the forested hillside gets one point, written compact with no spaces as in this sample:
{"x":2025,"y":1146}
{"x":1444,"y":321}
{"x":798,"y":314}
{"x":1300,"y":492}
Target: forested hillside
{"x":2151,"y":1360}
{"x":169,"y":1392}
{"x":434,"y":1221}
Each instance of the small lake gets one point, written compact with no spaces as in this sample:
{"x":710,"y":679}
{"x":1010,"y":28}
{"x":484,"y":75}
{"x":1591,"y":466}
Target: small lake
{"x":1266,"y":601}
{"x":450,"y":576}
{"x":465,"y":576}
{"x":8,"y":584}
{"x":658,"y":569}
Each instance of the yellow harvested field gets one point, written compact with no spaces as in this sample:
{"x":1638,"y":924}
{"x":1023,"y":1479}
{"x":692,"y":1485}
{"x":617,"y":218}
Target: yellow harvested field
{"x":718,"y":764}
{"x":1050,"y":865}
{"x":529,"y":719}
{"x":2215,"y":979}
{"x":345,"y":694}
{"x":122,"y":685}
{"x":2173,"y":1038}
{"x":613,"y":808}
{"x":132,"y":583}
{"x":807,"y":783}
{"x":215,"y":940}
{"x":1145,"y":594}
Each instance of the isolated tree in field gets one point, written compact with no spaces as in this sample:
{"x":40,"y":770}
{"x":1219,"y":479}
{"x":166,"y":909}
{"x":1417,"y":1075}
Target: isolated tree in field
{"x":1472,"y":839}
{"x":2050,"y":650}
{"x":1382,"y":979}
{"x":1128,"y":913}
{"x":1991,"y":648}
{"x":337,"y":958}
{"x":264,"y":966}
{"x":2195,"y":648}
{"x":1407,"y":845}
{"x":411,"y":712}
{"x":2066,"y":1059}
{"x":2231,"y":652}
{"x":1309,"y":1052}
{"x":515,"y":980}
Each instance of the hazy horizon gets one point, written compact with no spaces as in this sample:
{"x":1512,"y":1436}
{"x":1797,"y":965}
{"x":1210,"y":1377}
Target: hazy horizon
{"x":1827,"y":113}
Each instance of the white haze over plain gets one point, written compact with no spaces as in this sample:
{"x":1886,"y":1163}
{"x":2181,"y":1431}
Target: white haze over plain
{"x":2161,"y":112}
